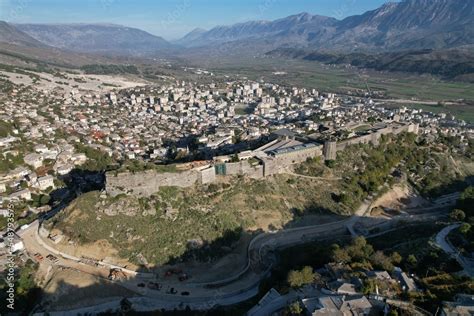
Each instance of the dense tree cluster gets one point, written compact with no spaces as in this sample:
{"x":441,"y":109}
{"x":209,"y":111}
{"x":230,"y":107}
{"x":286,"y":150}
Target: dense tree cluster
{"x":97,"y":160}
{"x":463,"y":237}
{"x":360,"y":254}
{"x":378,"y":164}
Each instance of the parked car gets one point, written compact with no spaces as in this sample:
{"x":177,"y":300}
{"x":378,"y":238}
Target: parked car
{"x":172,"y":291}
{"x":154,"y":286}
{"x":183,"y":277}
{"x":52,"y":258}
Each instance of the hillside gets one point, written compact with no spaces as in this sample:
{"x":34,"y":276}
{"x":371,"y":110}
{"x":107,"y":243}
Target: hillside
{"x":450,"y":64}
{"x":409,"y":24}
{"x":162,"y":226}
{"x":10,"y":34}
{"x":97,"y":38}
{"x":397,"y":26}
{"x":20,"y":49}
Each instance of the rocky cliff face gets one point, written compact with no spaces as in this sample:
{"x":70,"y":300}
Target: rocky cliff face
{"x":410,"y":24}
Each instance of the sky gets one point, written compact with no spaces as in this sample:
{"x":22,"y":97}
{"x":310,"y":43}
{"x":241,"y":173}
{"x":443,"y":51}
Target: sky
{"x":172,"y":19}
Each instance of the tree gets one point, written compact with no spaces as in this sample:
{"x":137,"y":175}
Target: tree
{"x":457,"y":215}
{"x":411,"y":260}
{"x":298,"y":278}
{"x":295,"y":308}
{"x":396,"y":258}
{"x":340,"y":255}
{"x":369,"y":286}
{"x":330,"y":163}
{"x":393,"y":312}
{"x":381,"y":261}
{"x":465,"y":228}
{"x":44,"y":199}
{"x":360,"y":250}
{"x":466,"y":201}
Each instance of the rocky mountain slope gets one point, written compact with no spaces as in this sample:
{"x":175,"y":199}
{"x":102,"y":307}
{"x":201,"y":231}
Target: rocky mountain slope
{"x":11,"y":35}
{"x":20,"y":49}
{"x":295,"y":28}
{"x":97,"y":38}
{"x":409,"y":24}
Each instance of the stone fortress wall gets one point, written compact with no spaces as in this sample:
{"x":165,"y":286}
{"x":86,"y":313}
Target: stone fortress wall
{"x":264,"y":164}
{"x":244,"y":168}
{"x":331,"y":147}
{"x":147,"y":182}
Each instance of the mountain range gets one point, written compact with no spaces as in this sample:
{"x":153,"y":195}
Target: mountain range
{"x":19,"y":48}
{"x":11,"y":35}
{"x":408,"y":25}
{"x":97,"y":38}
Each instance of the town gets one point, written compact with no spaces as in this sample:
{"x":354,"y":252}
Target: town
{"x":183,"y":123}
{"x":57,"y":144}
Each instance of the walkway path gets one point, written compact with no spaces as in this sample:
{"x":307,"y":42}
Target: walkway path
{"x":311,"y":177}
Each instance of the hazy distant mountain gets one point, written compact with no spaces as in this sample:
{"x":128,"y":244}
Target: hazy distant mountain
{"x":97,"y":38}
{"x":191,"y":36}
{"x":20,"y":49}
{"x":11,"y":35}
{"x":410,"y":24}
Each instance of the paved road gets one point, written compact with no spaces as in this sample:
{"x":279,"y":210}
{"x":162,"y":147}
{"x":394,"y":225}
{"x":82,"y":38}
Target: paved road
{"x":408,"y":101}
{"x":442,"y":242}
{"x":241,"y":289}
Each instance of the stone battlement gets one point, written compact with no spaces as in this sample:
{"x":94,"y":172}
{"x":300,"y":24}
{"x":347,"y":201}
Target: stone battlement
{"x":265,"y":164}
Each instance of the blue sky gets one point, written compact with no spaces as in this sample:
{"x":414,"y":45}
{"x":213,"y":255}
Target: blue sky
{"x":173,"y":18}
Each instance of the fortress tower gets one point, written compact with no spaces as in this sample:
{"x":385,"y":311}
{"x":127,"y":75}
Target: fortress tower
{"x":330,"y":150}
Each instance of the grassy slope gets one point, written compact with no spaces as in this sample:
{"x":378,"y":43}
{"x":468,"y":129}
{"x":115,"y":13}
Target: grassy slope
{"x":201,"y":213}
